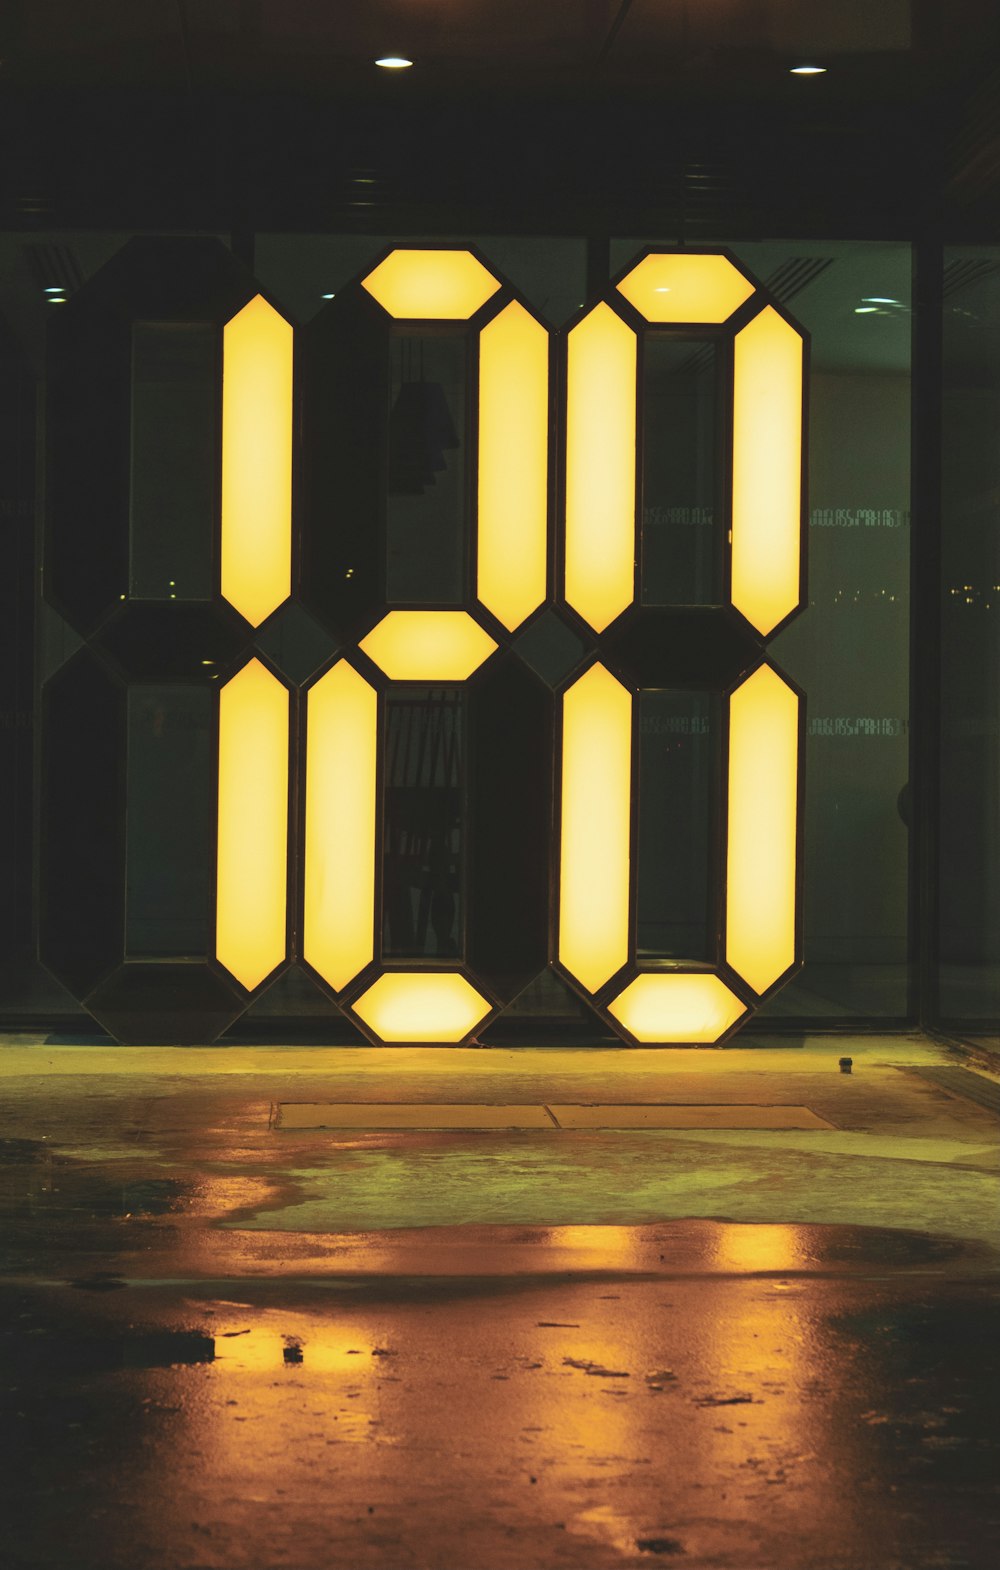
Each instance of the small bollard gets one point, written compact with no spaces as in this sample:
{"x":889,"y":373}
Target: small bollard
{"x":846,"y":1064}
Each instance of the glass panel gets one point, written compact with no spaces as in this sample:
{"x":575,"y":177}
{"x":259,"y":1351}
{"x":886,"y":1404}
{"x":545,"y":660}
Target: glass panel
{"x":174,"y":459}
{"x":427,"y":507}
{"x":970,"y":671}
{"x":169,"y":839}
{"x":423,"y":845}
{"x":681,"y":536}
{"x":679,"y":777}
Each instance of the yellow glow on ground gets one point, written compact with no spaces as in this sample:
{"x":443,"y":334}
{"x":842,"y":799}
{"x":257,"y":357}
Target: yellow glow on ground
{"x":767,"y":470}
{"x":257,"y":460}
{"x":685,"y":287}
{"x":677,"y":1007}
{"x":253,"y":824}
{"x":339,"y":873}
{"x":600,"y":467}
{"x":596,"y":822}
{"x":427,"y":1005}
{"x":763,"y":804}
{"x":431,"y":285}
{"x":428,"y":645}
{"x":513,"y":464}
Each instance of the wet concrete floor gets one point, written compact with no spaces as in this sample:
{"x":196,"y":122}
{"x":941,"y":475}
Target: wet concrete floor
{"x":225,"y":1346}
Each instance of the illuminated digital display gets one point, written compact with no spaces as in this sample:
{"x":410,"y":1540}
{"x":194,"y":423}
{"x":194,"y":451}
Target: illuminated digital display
{"x":523,"y":778}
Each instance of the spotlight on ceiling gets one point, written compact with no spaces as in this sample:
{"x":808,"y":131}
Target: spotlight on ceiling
{"x":808,"y":70}
{"x":393,"y":62}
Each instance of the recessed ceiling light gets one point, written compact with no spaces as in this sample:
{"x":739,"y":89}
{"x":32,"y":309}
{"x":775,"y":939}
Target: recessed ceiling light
{"x":54,"y":288}
{"x":879,"y":299}
{"x":808,"y":70}
{"x":868,"y":310}
{"x":393,"y":62}
{"x":328,"y":297}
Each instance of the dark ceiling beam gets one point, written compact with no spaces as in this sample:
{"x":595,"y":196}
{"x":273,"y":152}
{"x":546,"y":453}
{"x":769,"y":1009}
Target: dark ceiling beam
{"x":612,"y":33}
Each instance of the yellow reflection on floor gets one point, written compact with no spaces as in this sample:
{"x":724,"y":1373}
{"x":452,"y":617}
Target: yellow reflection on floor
{"x":747,"y":1249}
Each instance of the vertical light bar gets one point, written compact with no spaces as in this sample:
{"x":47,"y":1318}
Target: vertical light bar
{"x":513,"y":464}
{"x":767,"y":470}
{"x":257,"y":461}
{"x":600,"y":467}
{"x":341,"y":747}
{"x":251,"y":892}
{"x":763,"y":811}
{"x":596,"y":823}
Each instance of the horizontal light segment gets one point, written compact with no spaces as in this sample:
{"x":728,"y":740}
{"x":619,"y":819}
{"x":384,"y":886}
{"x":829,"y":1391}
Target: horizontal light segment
{"x":429,"y":1005}
{"x":685,"y":287}
{"x":682,"y":1008}
{"x":428,"y":645}
{"x":431,"y":285}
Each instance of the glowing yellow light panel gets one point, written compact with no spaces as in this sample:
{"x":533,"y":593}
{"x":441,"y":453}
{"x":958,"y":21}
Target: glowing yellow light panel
{"x":600,"y":467}
{"x":767,"y":470}
{"x":431,"y":285}
{"x":339,"y":873}
{"x":257,"y":460}
{"x":251,"y":888}
{"x":428,"y":645}
{"x":684,"y":287}
{"x":693,"y":1008}
{"x":596,"y":825}
{"x":427,"y":1005}
{"x":763,"y":809}
{"x":513,"y":464}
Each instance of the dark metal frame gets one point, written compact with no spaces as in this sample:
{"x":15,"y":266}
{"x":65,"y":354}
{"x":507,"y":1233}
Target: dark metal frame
{"x":156,"y":298}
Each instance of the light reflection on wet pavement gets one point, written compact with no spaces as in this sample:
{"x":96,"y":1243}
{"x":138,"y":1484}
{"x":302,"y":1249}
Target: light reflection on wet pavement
{"x":205,"y":1363}
{"x":764,"y":1413}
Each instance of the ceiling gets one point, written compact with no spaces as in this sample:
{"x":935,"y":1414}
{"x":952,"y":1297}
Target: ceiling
{"x":702,"y":46}
{"x":594,"y":113}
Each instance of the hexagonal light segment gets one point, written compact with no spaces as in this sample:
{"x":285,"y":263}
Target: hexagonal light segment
{"x":340,"y":825}
{"x":428,"y":645}
{"x":689,"y":1008}
{"x":767,"y":469}
{"x":257,"y":355}
{"x":513,"y":465}
{"x":431,"y":285}
{"x":681,"y":286}
{"x":427,"y":1005}
{"x":600,"y":466}
{"x":595,"y":827}
{"x":251,"y":875}
{"x":762,"y":837}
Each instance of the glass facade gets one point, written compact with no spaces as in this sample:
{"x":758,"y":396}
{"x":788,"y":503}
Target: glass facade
{"x":849,"y":652}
